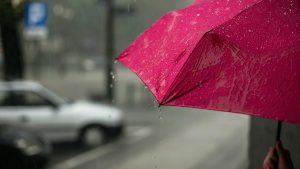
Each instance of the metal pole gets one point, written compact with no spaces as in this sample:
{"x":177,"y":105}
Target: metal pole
{"x":110,"y":20}
{"x":37,"y":59}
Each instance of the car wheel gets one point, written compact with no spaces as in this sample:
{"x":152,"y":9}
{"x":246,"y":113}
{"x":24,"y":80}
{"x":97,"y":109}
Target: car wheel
{"x":92,"y":136}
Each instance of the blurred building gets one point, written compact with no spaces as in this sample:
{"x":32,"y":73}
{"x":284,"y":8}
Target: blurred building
{"x":76,"y":38}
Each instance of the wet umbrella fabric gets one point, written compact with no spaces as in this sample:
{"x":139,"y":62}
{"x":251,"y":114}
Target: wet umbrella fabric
{"x":234,"y":56}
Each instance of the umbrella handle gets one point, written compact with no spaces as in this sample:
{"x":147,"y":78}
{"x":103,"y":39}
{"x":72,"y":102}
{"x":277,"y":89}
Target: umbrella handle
{"x":278,"y":134}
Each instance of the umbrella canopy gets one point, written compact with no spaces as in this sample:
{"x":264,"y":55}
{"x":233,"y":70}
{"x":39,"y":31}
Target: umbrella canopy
{"x":234,"y":56}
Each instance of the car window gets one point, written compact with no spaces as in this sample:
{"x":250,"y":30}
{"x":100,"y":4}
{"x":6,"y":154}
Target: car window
{"x":6,"y":98}
{"x":22,"y":98}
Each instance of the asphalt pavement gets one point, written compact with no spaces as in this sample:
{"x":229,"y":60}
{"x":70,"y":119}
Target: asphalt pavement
{"x":179,"y":139}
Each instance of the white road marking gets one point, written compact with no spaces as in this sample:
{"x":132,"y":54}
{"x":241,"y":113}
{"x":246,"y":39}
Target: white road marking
{"x":134,"y":134}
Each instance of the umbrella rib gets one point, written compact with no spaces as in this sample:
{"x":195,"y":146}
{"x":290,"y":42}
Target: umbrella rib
{"x":171,"y":88}
{"x":186,"y":92}
{"x":167,"y":98}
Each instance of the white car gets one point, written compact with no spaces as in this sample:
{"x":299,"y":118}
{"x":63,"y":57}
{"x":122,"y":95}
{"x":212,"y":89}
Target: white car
{"x":30,"y":105}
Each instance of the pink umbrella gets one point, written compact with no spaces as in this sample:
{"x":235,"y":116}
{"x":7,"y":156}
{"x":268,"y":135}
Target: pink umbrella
{"x":233,"y":56}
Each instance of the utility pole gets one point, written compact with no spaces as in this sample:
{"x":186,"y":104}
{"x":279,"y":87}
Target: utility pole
{"x":13,"y":64}
{"x":110,"y":38}
{"x":111,"y":11}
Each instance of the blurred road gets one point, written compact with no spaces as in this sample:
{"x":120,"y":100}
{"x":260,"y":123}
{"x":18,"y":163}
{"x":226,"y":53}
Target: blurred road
{"x":176,"y":138}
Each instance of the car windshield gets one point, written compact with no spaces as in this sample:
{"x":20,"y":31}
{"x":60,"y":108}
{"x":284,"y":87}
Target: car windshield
{"x":54,"y":97}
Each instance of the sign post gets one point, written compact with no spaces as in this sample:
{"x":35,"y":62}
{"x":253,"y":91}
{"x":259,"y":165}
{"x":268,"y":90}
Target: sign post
{"x":36,"y":16}
{"x":35,"y":31}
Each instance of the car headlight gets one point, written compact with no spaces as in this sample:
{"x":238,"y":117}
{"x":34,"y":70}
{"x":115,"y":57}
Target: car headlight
{"x":28,"y":147}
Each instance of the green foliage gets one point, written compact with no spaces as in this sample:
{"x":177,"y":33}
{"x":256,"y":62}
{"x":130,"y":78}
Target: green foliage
{"x":10,"y":14}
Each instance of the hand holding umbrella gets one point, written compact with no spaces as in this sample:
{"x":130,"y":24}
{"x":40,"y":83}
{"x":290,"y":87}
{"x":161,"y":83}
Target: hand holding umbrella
{"x":278,"y":158}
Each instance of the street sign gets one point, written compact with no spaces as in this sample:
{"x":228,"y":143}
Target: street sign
{"x":36,"y":16}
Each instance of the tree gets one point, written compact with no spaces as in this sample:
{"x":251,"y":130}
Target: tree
{"x":10,"y":15}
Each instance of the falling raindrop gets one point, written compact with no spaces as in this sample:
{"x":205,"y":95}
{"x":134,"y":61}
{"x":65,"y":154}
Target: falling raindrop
{"x":154,"y":104}
{"x":113,"y":76}
{"x":160,"y":114}
{"x":128,"y":8}
{"x":161,"y":117}
{"x":111,"y":86}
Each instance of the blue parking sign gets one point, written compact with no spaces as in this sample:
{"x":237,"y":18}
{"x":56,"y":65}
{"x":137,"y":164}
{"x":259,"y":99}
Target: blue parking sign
{"x":36,"y":15}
